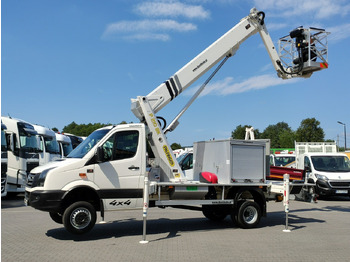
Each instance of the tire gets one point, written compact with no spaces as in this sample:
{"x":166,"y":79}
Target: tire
{"x":215,"y":213}
{"x":234,"y":212}
{"x":79,"y":218}
{"x":57,"y":217}
{"x":249,"y":215}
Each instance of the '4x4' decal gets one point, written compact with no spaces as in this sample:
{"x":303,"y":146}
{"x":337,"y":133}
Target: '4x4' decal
{"x":120,"y":203}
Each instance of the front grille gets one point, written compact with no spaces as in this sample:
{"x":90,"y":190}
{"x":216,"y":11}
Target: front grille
{"x":3,"y":169}
{"x":339,"y":184}
{"x":3,"y":176}
{"x":3,"y":184}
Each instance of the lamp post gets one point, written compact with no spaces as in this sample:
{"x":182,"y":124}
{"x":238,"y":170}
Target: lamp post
{"x":344,"y":132}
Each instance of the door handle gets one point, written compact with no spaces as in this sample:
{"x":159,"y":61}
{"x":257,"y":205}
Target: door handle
{"x":133,"y":167}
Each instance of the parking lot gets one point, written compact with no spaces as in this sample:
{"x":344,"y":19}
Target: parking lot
{"x":319,"y":232}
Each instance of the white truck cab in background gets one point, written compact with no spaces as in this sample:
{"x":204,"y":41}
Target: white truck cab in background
{"x":76,"y":140}
{"x":3,"y":160}
{"x":22,"y":153}
{"x":185,"y":160}
{"x":48,"y":144}
{"x":64,"y":144}
{"x":325,"y":167}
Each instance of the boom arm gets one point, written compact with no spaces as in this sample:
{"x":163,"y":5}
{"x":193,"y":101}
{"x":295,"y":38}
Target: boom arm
{"x":146,"y":107}
{"x":227,"y":45}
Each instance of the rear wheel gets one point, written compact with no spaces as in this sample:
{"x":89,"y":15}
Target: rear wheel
{"x":79,"y":218}
{"x":248,"y":215}
{"x":215,"y":213}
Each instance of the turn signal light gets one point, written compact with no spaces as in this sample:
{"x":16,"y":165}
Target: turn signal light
{"x":83,"y":175}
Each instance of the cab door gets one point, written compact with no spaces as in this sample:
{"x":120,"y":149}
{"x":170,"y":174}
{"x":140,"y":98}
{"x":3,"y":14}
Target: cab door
{"x":121,"y":172}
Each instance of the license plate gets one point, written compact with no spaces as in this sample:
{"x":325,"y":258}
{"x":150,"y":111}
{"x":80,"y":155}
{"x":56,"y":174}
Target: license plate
{"x":341,"y":191}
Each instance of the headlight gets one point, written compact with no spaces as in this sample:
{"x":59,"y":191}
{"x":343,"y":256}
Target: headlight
{"x":42,"y":177}
{"x":321,"y":177}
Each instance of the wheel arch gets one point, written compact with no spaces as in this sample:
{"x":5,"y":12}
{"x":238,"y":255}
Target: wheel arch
{"x":81,"y":193}
{"x":248,"y":193}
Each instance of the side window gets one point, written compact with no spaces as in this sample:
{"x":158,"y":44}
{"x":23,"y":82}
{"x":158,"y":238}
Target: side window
{"x":307,"y":162}
{"x":121,"y":145}
{"x":126,"y":143}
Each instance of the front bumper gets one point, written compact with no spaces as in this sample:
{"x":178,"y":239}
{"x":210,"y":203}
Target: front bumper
{"x":332,"y":187}
{"x":50,"y":201}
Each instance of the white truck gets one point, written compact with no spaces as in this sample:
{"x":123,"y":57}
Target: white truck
{"x":76,"y":140}
{"x":110,"y":170}
{"x":3,"y":161}
{"x":22,"y":152}
{"x":185,"y":161}
{"x":64,"y":144}
{"x":326,"y":169}
{"x":49,"y":148}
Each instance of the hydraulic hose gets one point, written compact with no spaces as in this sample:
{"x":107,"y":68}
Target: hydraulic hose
{"x":262,"y":14}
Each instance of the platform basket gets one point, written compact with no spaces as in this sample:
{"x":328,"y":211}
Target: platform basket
{"x":304,"y":52}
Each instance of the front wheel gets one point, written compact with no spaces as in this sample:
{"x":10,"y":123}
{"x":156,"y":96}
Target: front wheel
{"x":249,"y":215}
{"x":57,"y":217}
{"x":79,"y":218}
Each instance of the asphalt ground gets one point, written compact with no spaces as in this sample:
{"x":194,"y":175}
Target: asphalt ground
{"x":318,"y":232}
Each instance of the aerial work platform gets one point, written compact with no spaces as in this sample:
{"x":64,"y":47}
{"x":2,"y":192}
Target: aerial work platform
{"x":304,"y":51}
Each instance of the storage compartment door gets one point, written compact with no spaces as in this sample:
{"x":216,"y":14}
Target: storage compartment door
{"x":248,"y":163}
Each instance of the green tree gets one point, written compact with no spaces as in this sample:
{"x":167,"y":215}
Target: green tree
{"x":286,"y":139}
{"x":82,"y":129}
{"x":175,"y":146}
{"x":273,"y":133}
{"x":310,"y":131}
{"x":239,"y":132}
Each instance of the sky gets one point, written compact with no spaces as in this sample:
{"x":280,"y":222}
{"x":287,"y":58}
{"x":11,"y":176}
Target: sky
{"x":83,"y":60}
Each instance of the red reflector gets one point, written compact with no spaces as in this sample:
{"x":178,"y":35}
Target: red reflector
{"x":323,"y":65}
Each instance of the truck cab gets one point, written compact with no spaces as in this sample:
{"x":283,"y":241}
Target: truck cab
{"x":49,"y":149}
{"x":76,"y":140}
{"x":22,"y":153}
{"x":186,"y":163}
{"x":64,"y":144}
{"x":107,"y":169}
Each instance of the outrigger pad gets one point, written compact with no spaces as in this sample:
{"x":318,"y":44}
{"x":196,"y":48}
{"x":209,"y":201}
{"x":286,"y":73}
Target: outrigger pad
{"x":207,"y":177}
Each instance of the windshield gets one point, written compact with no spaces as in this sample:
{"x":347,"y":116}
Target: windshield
{"x":67,"y":148}
{"x":27,"y":138}
{"x":84,"y":147}
{"x":284,"y":160}
{"x":51,"y":145}
{"x":181,"y":157}
{"x":187,"y":161}
{"x":331,"y":163}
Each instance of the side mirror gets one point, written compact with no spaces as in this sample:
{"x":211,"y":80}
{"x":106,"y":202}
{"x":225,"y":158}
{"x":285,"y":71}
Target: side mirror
{"x":307,"y":169}
{"x":99,"y":154}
